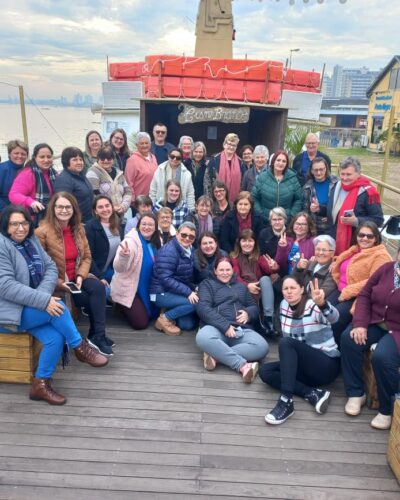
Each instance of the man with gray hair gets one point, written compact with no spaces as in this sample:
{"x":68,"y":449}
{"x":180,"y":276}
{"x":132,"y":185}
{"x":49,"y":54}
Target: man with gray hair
{"x":140,"y":167}
{"x":260,"y":158}
{"x":302,"y":162}
{"x":353,"y":200}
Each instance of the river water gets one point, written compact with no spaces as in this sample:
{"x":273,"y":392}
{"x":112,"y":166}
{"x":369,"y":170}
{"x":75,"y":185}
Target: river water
{"x":58,"y":126}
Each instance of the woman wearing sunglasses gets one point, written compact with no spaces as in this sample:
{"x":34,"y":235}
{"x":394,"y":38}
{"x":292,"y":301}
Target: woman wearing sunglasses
{"x":174,"y":169}
{"x":352,"y":269}
{"x":171,"y":285}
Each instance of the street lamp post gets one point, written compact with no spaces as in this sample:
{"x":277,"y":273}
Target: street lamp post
{"x":290,"y":57}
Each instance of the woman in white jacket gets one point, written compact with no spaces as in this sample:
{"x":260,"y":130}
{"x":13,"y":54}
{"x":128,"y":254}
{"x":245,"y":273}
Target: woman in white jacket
{"x":173,"y":168}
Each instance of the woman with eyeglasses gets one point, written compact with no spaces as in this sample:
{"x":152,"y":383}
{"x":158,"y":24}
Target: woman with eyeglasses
{"x":246,"y":154}
{"x":93,"y":143}
{"x":119,"y":144}
{"x":173,"y":169}
{"x":173,"y":199}
{"x":34,"y":185}
{"x":109,"y":181}
{"x":133,"y":265}
{"x":166,"y":228}
{"x":28,"y":277}
{"x":298,"y":246}
{"x":172,"y":287}
{"x":376,"y":320}
{"x":316,"y":193}
{"x":352,"y":269}
{"x":63,"y":237}
{"x":227,"y":167}
{"x":186,"y":145}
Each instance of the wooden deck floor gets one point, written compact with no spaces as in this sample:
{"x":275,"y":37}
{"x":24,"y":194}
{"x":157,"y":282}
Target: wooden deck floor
{"x":154,"y":424}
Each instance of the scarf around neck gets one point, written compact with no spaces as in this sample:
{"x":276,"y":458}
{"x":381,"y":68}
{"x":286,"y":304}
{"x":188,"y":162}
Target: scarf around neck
{"x":230,"y":174}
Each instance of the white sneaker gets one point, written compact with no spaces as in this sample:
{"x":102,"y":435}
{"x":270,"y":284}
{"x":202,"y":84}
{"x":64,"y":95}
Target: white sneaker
{"x":382,"y":422}
{"x":354,"y":405}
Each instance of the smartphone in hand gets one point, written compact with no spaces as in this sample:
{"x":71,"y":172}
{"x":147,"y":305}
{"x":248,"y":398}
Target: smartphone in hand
{"x":72,"y":287}
{"x":348,"y":213}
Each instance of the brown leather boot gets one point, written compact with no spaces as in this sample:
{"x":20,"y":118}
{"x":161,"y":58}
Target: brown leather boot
{"x":41,"y":390}
{"x":167,"y":326}
{"x":87,"y":354}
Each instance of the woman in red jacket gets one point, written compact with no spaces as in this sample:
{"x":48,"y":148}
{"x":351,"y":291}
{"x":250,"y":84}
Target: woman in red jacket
{"x":376,"y":320}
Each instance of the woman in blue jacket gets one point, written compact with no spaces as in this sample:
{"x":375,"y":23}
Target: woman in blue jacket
{"x":172,"y":286}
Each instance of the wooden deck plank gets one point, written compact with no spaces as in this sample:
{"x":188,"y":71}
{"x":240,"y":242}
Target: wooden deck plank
{"x":154,"y":424}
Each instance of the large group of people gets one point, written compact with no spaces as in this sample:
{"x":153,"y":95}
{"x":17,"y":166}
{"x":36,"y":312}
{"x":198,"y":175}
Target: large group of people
{"x":246,"y":247}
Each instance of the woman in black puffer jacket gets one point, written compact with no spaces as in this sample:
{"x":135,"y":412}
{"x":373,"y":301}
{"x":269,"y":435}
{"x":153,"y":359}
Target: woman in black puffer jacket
{"x":226,"y":310}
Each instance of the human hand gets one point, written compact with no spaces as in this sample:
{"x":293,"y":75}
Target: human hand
{"x":118,"y":209}
{"x":349,"y":221}
{"x":317,"y":294}
{"x":242,"y":317}
{"x":302,"y":263}
{"x":314,"y":206}
{"x":359,"y":335}
{"x":273,"y":265}
{"x":193,"y":298}
{"x":36,"y":206}
{"x":105,"y":283}
{"x":282,"y":242}
{"x":230,"y":332}
{"x":124,"y":248}
{"x":78,"y":281}
{"x":54,"y":307}
{"x":254,"y":288}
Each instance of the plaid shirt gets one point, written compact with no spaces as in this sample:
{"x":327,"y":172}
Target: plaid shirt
{"x":179,"y":213}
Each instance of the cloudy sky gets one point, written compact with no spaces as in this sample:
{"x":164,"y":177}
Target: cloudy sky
{"x":59,"y":47}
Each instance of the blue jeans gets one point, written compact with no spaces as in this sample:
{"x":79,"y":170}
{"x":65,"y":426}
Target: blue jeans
{"x":52,"y":332}
{"x":178,"y":308}
{"x":232,"y":352}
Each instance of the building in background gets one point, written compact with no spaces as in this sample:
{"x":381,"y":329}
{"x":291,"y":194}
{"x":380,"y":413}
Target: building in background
{"x":348,"y":82}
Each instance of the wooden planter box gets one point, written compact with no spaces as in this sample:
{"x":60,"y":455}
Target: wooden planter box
{"x":393,"y":452}
{"x":19,"y":353}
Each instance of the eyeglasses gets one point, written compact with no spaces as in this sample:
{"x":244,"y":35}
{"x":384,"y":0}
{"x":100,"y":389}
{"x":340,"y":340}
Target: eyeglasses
{"x":15,"y":224}
{"x":185,"y":236}
{"x":63,"y":207}
{"x":316,"y":170}
{"x":165,"y":217}
{"x":219,"y":191}
{"x":322,"y":250}
{"x":366,"y":235}
{"x":104,"y":160}
{"x":160,"y":132}
{"x":173,"y":157}
{"x":230,"y":145}
{"x":147,"y":225}
{"x":300,"y":224}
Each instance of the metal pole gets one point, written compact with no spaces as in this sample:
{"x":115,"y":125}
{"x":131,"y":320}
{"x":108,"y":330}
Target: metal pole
{"x":387,"y":150}
{"x":23,"y":113}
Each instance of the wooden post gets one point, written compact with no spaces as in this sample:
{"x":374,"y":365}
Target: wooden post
{"x":23,"y":113}
{"x":387,"y":150}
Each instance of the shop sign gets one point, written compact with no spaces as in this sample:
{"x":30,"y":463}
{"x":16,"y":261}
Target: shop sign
{"x":192,"y":114}
{"x":383,"y":107}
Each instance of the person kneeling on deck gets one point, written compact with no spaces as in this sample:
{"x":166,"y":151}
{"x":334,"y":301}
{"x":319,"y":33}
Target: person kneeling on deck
{"x":308,"y":354}
{"x":226,"y":308}
{"x":28,"y":278}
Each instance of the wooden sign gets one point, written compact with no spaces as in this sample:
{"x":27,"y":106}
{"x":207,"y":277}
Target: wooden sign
{"x":192,"y":114}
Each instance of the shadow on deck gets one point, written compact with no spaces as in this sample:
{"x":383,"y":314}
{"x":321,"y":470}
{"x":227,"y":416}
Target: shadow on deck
{"x":154,"y":424}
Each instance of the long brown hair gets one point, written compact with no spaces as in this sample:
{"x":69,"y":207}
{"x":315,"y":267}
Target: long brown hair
{"x":114,"y":219}
{"x":246,"y":234}
{"x":74,"y":222}
{"x":202,"y":258}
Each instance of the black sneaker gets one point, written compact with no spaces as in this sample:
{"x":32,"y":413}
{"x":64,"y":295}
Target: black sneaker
{"x":319,"y":399}
{"x":284,"y":409}
{"x":100,"y":345}
{"x":109,"y":341}
{"x":267,"y":326}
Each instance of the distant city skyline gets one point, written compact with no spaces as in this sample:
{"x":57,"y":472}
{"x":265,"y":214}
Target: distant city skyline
{"x":78,"y":100}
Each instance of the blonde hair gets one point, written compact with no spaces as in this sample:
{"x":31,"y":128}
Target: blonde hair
{"x":232,"y":138}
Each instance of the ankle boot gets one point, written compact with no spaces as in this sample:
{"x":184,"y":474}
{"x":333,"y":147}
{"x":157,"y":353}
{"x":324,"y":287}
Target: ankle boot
{"x":41,"y":390}
{"x":87,"y":354}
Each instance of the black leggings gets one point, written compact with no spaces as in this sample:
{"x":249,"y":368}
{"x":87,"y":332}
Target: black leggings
{"x":300,"y":369}
{"x":93,"y":299}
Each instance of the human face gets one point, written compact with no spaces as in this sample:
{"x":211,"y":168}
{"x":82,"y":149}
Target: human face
{"x":118,"y":141}
{"x":147,"y":227}
{"x":143,"y":146}
{"x":280,"y":164}
{"x":224,"y":271}
{"x":208,"y":246}
{"x":247,"y":245}
{"x":323,"y":254}
{"x":94,"y":143}
{"x":160,"y":134}
{"x":106,"y":163}
{"x":173,"y":193}
{"x":219,"y":194}
{"x":230,"y":148}
{"x":348,"y":175}
{"x":63,"y":211}
{"x":198,"y":153}
{"x":300,"y":227}
{"x":277,"y":223}
{"x":142,"y":208}
{"x":164,"y":221}
{"x":243,"y":207}
{"x":76,"y":165}
{"x":18,"y":227}
{"x":312,"y":145}
{"x":18,"y":156}
{"x":247,"y":156}
{"x":186,"y":146}
{"x":186,"y":237}
{"x":175,"y":158}
{"x":44,"y":158}
{"x":366,"y":238}
{"x":103,"y":210}
{"x":203,"y":209}
{"x":292,"y":291}
{"x":260,"y":161}
{"x":319,"y":172}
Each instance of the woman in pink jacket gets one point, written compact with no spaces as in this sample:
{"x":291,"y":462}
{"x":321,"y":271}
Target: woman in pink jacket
{"x":33,"y":186}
